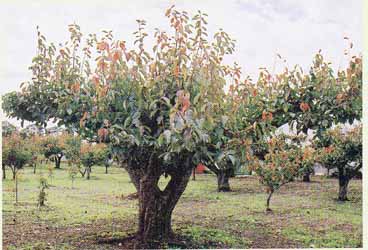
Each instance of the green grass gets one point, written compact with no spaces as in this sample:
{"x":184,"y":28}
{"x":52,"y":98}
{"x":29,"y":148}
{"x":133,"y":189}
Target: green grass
{"x":207,"y":237}
{"x":304,"y":214}
{"x":86,"y":201}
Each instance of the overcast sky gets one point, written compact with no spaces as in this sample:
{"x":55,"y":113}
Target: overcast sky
{"x":296,"y":29}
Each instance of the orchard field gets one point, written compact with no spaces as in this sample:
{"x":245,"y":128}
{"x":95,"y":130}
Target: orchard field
{"x":162,"y":109}
{"x":99,"y":213}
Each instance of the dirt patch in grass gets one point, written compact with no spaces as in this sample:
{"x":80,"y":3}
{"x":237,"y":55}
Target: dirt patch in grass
{"x":78,"y":236}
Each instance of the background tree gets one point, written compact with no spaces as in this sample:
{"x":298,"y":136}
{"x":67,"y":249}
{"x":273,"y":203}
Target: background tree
{"x":72,"y":152}
{"x":342,"y":150}
{"x":221,"y":159}
{"x":285,"y":160}
{"x":107,"y":154}
{"x":15,"y":152}
{"x":319,"y":99}
{"x":7,"y":128}
{"x":53,"y":148}
{"x":42,"y":194}
{"x":156,"y":110}
{"x":93,"y":154}
{"x":34,"y":146}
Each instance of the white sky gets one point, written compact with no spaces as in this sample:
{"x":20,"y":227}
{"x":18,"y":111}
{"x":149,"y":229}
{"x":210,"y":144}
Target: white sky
{"x":296,"y":29}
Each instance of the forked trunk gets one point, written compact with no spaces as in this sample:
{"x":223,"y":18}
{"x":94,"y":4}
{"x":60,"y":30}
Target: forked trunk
{"x":83,"y":173}
{"x":343,"y":187}
{"x":223,"y":184}
{"x":58,"y":161}
{"x":156,"y":206}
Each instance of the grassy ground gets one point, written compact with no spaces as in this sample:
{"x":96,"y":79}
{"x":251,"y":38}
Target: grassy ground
{"x":97,"y":213}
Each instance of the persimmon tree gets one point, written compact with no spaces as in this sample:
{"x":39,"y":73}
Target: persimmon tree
{"x":320,"y":98}
{"x":52,"y":147}
{"x":284,"y":161}
{"x":315,"y":100}
{"x":342,"y":150}
{"x":220,"y":157}
{"x":73,"y":153}
{"x":108,"y":158}
{"x":7,"y":130}
{"x":15,"y":152}
{"x":34,"y":146}
{"x":155,"y":108}
{"x":92,"y":154}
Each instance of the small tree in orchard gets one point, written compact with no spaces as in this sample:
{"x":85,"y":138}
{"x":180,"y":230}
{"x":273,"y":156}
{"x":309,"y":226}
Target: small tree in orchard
{"x":254,"y":121}
{"x":284,"y":161}
{"x":343,"y":151}
{"x":34,"y":146}
{"x":72,"y":152}
{"x":53,"y":148}
{"x":7,"y":130}
{"x":108,"y":161}
{"x":93,"y":154}
{"x":15,"y":153}
{"x":42,"y":194}
{"x":156,"y":108}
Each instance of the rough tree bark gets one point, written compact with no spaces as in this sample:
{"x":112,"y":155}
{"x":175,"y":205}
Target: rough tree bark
{"x":58,"y":161}
{"x":268,"y":209}
{"x":156,"y":206}
{"x":4,"y":172}
{"x":83,"y":172}
{"x":343,"y":187}
{"x":14,"y":171}
{"x":88,"y":172}
{"x":223,"y":177}
{"x":306,"y":177}
{"x":16,"y":188}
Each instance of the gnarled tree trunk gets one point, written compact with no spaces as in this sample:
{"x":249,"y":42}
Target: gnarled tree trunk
{"x":156,"y":206}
